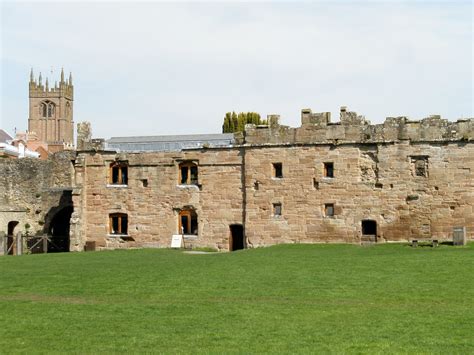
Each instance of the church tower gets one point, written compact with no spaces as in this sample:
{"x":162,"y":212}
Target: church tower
{"x":51,"y":111}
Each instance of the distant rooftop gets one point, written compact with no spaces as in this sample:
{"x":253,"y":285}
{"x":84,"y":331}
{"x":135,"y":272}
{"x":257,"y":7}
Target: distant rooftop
{"x":4,"y":136}
{"x":169,"y":143}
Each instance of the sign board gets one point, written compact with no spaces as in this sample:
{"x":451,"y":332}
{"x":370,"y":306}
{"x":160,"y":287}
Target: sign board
{"x":176,"y":241}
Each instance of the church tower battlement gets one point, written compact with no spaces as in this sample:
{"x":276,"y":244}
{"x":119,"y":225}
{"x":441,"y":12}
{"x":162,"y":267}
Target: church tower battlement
{"x":51,"y":110}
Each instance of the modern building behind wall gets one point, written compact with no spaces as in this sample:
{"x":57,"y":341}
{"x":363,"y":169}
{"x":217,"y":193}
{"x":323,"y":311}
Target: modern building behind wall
{"x":322,"y":182}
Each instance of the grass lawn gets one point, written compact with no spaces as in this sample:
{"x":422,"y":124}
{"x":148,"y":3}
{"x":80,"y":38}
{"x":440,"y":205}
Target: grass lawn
{"x":281,"y":299}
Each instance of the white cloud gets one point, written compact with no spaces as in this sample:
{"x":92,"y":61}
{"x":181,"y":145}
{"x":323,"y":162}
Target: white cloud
{"x":152,"y":68}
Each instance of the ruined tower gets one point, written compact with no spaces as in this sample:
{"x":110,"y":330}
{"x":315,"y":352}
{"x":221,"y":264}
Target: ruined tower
{"x":51,"y":110}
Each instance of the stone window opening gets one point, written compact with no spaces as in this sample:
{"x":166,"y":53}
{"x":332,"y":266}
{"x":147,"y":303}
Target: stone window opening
{"x":278,"y":170}
{"x":419,"y":166}
{"x":277,"y":209}
{"x":369,"y":227}
{"x":118,"y":224}
{"x":118,"y":173}
{"x":329,"y":209}
{"x":188,"y":222}
{"x":188,"y":173}
{"x":329,"y":170}
{"x":144,"y":182}
{"x":47,"y":109}
{"x":315,"y":184}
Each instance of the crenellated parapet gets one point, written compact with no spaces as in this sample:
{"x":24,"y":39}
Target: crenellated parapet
{"x":64,"y":88}
{"x":354,"y":128}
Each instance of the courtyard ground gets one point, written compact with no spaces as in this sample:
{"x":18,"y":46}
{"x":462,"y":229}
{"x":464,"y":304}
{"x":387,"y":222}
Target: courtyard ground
{"x":281,"y":299}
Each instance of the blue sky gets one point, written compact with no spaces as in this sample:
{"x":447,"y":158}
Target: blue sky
{"x":153,"y":68}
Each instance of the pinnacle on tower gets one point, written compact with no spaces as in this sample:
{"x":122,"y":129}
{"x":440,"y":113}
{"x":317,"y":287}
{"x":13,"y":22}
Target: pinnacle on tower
{"x":62,"y":75}
{"x":31,"y":76}
{"x":47,"y":84}
{"x":40,"y":79}
{"x":70,"y":78}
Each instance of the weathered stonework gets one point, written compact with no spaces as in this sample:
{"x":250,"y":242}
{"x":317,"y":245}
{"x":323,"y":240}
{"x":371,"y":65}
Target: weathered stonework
{"x":411,"y":179}
{"x":33,"y":191}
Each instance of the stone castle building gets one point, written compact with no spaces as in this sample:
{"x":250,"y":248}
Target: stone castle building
{"x":322,"y":182}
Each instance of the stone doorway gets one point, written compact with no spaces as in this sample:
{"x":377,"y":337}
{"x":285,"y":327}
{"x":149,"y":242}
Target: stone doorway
{"x":236,"y":241}
{"x":11,"y":237}
{"x":369,"y":227}
{"x":59,"y":231}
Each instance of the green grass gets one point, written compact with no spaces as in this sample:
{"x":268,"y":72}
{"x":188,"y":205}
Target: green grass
{"x":282,"y":299}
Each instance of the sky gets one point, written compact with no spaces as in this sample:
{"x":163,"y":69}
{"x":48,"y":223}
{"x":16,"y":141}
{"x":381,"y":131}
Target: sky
{"x":153,"y":68}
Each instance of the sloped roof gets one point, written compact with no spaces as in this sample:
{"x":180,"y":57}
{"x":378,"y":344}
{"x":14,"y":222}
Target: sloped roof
{"x":169,"y":143}
{"x":4,"y":136}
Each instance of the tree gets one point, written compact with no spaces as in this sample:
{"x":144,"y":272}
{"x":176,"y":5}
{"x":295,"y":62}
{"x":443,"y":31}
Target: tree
{"x":234,"y":122}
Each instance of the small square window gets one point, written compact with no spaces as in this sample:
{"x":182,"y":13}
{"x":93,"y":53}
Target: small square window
{"x":277,"y":209}
{"x":118,"y":224}
{"x":278,"y":170}
{"x":329,"y":209}
{"x":420,"y":166}
{"x":329,"y":170}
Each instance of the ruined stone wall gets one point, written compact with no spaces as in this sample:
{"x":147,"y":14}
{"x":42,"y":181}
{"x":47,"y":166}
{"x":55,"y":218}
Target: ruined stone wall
{"x":371,"y":182}
{"x":352,"y":128}
{"x":411,"y":179}
{"x":32,"y":190}
{"x":153,"y":198}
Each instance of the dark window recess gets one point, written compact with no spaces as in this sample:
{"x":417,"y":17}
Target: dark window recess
{"x":329,"y":170}
{"x":118,"y":224}
{"x":188,"y":174}
{"x":145,"y":182}
{"x":315,"y":184}
{"x":329,"y":209}
{"x":369,"y":227}
{"x":119,"y":173}
{"x":277,"y":209}
{"x":420,"y":166}
{"x":188,"y":223}
{"x":278,"y":170}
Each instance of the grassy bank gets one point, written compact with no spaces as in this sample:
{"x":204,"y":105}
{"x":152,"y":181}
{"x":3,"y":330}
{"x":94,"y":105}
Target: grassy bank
{"x":292,"y":298}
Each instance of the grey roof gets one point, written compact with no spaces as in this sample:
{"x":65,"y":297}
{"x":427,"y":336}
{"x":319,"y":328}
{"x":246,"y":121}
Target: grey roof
{"x":4,"y":136}
{"x":169,"y":143}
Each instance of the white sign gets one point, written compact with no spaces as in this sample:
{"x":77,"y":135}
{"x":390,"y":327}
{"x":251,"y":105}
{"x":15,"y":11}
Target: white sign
{"x":176,"y":241}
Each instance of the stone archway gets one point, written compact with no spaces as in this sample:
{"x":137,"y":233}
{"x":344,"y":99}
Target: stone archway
{"x":59,"y":231}
{"x":10,"y":247}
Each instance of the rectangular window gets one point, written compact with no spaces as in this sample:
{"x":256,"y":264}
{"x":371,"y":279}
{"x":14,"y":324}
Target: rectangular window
{"x":329,"y":209}
{"x":419,"y":166}
{"x":118,"y":224}
{"x":188,"y":223}
{"x":188,"y":173}
{"x":277,"y":209}
{"x":278,"y":170}
{"x":118,"y":173}
{"x":329,"y":170}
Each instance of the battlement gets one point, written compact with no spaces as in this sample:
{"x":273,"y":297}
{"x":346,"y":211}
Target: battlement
{"x":63,"y":89}
{"x":354,"y":128}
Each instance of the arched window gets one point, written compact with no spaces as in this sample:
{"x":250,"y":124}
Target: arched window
{"x":44,"y":109}
{"x":68,"y":109}
{"x":188,"y":223}
{"x":47,"y":109}
{"x":188,"y":173}
{"x":118,"y":224}
{"x":118,"y":173}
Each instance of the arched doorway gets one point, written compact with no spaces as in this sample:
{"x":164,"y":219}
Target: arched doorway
{"x":11,"y":237}
{"x":59,"y":231}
